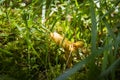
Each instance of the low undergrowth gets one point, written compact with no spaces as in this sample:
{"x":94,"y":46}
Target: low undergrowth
{"x":28,"y":53}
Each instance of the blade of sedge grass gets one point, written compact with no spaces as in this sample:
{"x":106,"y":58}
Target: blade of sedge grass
{"x":111,"y":39}
{"x":110,"y":32}
{"x":116,"y":44}
{"x":107,"y":71}
{"x":106,"y":54}
{"x":92,"y":67}
{"x":94,"y":27}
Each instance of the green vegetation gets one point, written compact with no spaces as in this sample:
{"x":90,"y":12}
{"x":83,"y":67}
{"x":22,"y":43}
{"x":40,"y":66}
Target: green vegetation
{"x":28,"y":53}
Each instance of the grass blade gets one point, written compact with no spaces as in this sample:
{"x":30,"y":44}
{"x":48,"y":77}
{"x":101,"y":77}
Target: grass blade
{"x":113,"y":66}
